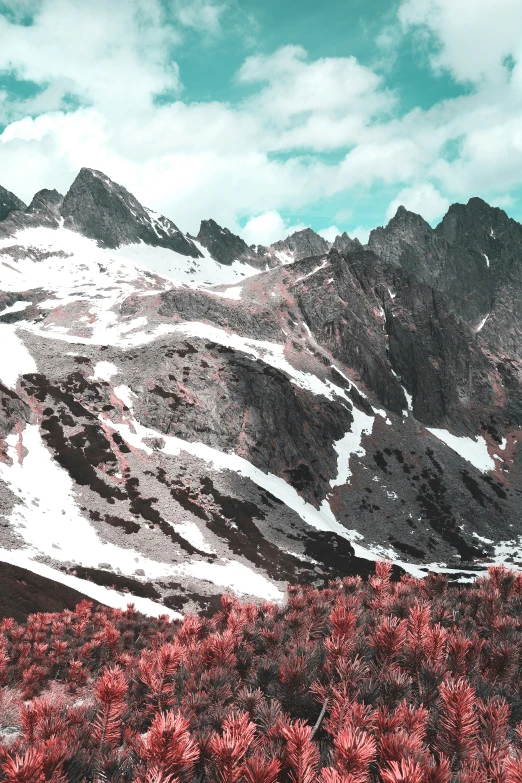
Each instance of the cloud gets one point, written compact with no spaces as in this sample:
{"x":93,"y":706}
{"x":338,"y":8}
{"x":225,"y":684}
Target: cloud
{"x":200,"y":15}
{"x":319,"y":105}
{"x":307,"y":130}
{"x":423,"y":198}
{"x":268,"y":228}
{"x":190,"y":160}
{"x":472,"y":39}
{"x":361,"y":233}
{"x":115,"y":56}
{"x":329,"y":233}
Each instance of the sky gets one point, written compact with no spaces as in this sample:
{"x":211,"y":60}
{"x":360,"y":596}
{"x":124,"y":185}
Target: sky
{"x":267,"y":116}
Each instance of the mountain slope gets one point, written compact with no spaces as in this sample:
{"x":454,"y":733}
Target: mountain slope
{"x":209,"y":426}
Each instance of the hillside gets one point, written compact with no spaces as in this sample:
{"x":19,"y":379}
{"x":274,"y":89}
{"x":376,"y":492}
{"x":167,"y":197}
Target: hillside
{"x":410,"y":681}
{"x":182,"y":416}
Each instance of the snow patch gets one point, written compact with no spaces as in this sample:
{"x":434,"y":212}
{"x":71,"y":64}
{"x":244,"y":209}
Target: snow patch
{"x":233,"y":576}
{"x":124,"y":394}
{"x":48,"y":518}
{"x":191,"y":533}
{"x":482,"y":323}
{"x":104,"y":595}
{"x":17,"y":307}
{"x":487,"y":259}
{"x":231,"y":292}
{"x":481,"y":538}
{"x":474,"y":451}
{"x":103,"y":371}
{"x":508,"y":549}
{"x":350,"y":445}
{"x":203,"y":271}
{"x":15,"y":359}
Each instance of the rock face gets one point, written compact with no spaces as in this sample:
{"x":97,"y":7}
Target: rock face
{"x":343,"y":244}
{"x":102,"y":210}
{"x":9,"y":202}
{"x":272,"y":428}
{"x":302,"y":244}
{"x":226,"y":247}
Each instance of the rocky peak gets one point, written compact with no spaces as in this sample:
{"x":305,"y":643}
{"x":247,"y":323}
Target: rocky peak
{"x":226,"y":247}
{"x":472,"y":222}
{"x":45,"y":206}
{"x":44,"y":210}
{"x":46,"y":199}
{"x":9,"y":202}
{"x":100,"y":209}
{"x":408,"y":241}
{"x":344,"y":244}
{"x":302,"y":244}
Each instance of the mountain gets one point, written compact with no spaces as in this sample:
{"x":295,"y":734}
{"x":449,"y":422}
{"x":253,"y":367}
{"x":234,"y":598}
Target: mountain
{"x":225,"y":247}
{"x":181,"y":416}
{"x":9,"y":202}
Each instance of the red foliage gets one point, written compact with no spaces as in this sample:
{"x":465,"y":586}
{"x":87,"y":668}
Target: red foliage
{"x":361,"y":682}
{"x":168,"y":748}
{"x":458,"y":725}
{"x":109,"y":691}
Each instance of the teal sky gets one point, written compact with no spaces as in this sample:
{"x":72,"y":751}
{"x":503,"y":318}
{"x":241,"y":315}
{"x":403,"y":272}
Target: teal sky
{"x":267,"y":115}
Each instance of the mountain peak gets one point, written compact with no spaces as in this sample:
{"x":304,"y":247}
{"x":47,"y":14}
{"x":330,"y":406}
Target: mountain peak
{"x":475,"y":218}
{"x":9,"y":202}
{"x":100,"y":209}
{"x":224,"y":246}
{"x":345,"y":244}
{"x":302,"y":244}
{"x":404,"y":216}
{"x":46,"y":201}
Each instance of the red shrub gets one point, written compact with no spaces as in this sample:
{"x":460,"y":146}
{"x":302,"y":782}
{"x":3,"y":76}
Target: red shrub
{"x":360,"y":682}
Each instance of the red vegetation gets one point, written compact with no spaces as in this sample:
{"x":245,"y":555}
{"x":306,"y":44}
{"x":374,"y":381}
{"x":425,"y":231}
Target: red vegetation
{"x":362,"y":682}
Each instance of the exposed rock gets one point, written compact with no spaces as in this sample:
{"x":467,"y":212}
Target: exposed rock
{"x":102,"y":210}
{"x":9,"y":202}
{"x":257,"y":428}
{"x":344,"y":244}
{"x":301,"y":244}
{"x":226,"y":247}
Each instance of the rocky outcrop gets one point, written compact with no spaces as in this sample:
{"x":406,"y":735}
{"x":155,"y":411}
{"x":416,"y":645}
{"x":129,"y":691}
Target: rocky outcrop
{"x":301,"y":244}
{"x":100,"y":209}
{"x":226,"y":247}
{"x":9,"y":202}
{"x":13,"y":412}
{"x":344,"y":244}
{"x":409,"y":242}
{"x":251,"y":433}
{"x":342,"y":303}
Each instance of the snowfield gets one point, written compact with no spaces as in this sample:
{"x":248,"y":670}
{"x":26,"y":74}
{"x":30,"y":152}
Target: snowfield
{"x":473,"y":451}
{"x":16,"y":359}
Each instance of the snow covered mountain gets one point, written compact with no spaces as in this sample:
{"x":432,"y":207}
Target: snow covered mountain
{"x":180,"y":416}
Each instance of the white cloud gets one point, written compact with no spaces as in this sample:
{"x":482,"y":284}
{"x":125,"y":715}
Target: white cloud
{"x":322,"y":104}
{"x":472,"y":37}
{"x":200,"y":15}
{"x":423,"y":198}
{"x":502,"y":201}
{"x":116,"y":56}
{"x":361,"y":233}
{"x":330,"y":233}
{"x":253,"y":161}
{"x":268,"y":228}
